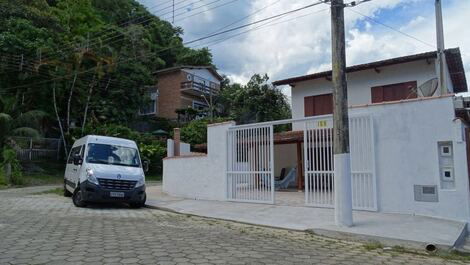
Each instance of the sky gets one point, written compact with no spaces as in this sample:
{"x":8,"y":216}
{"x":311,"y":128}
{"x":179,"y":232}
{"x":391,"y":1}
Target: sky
{"x":300,"y":43}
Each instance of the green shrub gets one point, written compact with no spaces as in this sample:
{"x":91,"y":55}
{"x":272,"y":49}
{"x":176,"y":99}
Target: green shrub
{"x":10,"y":161}
{"x":113,"y":130}
{"x":154,"y":153}
{"x":195,"y":132}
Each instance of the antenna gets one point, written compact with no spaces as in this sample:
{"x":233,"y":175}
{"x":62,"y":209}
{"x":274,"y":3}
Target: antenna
{"x":429,"y":87}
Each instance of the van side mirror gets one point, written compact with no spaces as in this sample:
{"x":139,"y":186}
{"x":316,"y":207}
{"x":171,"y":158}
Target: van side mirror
{"x":77,"y":160}
{"x":145,"y":165}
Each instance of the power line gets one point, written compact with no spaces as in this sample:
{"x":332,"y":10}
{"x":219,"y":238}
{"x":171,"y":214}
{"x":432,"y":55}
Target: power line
{"x":254,"y":23}
{"x":118,"y":36}
{"x":184,"y":43}
{"x":392,"y":28}
{"x":215,"y":7}
{"x":150,"y":16}
{"x":268,"y":24}
{"x":245,"y":17}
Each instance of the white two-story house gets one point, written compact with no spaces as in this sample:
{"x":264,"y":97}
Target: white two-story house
{"x":377,"y":82}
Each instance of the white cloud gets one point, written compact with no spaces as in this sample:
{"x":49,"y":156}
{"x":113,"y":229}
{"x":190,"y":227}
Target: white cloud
{"x":302,"y":45}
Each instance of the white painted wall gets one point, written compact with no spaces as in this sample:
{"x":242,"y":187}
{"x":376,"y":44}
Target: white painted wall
{"x":406,"y":137}
{"x":360,"y":84}
{"x":185,"y":149}
{"x":200,"y":177}
{"x":204,"y":73}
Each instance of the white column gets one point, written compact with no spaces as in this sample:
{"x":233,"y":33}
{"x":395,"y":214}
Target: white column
{"x":343,"y":193}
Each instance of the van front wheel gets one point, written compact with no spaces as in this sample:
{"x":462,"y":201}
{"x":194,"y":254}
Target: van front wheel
{"x":139,"y":204}
{"x":77,"y":199}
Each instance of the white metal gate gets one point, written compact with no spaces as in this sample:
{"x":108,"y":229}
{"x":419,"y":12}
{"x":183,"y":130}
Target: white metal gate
{"x":319,"y":166}
{"x":250,"y":164}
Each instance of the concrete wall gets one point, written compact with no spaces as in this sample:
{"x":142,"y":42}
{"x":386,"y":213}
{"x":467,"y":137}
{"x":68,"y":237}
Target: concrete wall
{"x":406,"y":150}
{"x":185,"y":149}
{"x":360,"y":84}
{"x":200,"y":176}
{"x":285,"y":156}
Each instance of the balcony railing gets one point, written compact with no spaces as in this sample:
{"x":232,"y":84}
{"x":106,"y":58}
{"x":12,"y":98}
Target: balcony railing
{"x":198,"y":88}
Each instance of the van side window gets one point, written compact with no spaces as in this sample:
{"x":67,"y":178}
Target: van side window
{"x":82,"y":152}
{"x":74,"y":151}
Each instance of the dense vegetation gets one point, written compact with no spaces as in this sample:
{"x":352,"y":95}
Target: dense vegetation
{"x":69,"y":68}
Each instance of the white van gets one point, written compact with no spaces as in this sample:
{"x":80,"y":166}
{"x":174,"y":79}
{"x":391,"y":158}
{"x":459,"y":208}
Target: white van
{"x":105,"y":169}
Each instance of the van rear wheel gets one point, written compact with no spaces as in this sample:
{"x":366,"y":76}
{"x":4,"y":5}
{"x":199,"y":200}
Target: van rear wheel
{"x":77,"y":199}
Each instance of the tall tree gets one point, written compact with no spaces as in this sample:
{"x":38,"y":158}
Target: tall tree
{"x":257,"y":101}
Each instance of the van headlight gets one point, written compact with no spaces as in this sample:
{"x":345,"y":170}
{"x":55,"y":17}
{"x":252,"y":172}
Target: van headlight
{"x":140,"y":182}
{"x":90,"y":176}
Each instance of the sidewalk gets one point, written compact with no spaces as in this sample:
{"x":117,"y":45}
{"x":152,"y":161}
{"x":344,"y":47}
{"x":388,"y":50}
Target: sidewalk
{"x":389,"y":229}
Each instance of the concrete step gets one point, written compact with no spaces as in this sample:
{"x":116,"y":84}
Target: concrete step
{"x":465,"y":246}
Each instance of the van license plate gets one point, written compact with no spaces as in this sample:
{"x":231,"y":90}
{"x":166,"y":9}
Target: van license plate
{"x":116,"y":194}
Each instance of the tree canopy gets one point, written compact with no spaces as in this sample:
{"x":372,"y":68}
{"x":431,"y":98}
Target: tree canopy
{"x":257,"y":101}
{"x":97,"y":56}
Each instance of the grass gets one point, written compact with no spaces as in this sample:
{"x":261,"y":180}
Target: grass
{"x":151,"y":176}
{"x":56,"y":191}
{"x":444,"y":254}
{"x":41,"y":173}
{"x":373,"y":245}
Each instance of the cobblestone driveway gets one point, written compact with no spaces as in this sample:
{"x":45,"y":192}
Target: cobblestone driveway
{"x":48,"y":229}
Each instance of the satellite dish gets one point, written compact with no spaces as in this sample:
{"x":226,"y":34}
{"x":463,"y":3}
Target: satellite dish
{"x":429,"y":87}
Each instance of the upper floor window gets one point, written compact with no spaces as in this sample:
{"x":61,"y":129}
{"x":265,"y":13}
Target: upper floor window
{"x":394,"y":92}
{"x":318,"y":105}
{"x":151,"y":102}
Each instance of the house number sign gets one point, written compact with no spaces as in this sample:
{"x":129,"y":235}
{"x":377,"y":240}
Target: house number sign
{"x":322,"y":124}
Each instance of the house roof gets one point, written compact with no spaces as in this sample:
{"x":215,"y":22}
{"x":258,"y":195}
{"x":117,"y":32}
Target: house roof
{"x":453,"y":58}
{"x":178,"y":68}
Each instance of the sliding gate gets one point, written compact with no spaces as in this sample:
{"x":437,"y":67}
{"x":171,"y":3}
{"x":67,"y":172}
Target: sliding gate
{"x":319,"y":166}
{"x":250,"y":167}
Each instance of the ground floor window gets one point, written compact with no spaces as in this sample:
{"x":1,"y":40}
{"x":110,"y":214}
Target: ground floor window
{"x":150,"y":106}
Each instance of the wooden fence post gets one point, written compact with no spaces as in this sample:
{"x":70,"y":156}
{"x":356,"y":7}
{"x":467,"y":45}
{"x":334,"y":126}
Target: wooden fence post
{"x":30,"y":148}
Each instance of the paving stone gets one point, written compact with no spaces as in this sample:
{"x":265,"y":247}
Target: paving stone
{"x":48,"y":229}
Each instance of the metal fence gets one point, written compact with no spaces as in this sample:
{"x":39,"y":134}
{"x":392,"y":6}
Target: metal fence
{"x":30,"y":149}
{"x":250,"y":168}
{"x":319,"y":166}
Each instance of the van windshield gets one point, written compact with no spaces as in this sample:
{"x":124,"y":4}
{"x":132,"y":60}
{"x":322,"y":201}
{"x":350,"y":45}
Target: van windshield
{"x":112,"y":155}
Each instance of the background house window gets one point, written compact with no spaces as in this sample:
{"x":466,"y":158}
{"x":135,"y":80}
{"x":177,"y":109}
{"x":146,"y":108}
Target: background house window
{"x":151,"y":106}
{"x":394,"y":92}
{"x":198,"y":105}
{"x":318,"y":105}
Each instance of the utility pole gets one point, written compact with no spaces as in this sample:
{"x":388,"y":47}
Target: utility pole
{"x":441,"y":57}
{"x":342,"y":167}
{"x":173,"y":20}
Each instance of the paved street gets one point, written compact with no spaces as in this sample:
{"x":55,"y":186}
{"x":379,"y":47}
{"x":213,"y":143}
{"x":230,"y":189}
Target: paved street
{"x":48,"y":229}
